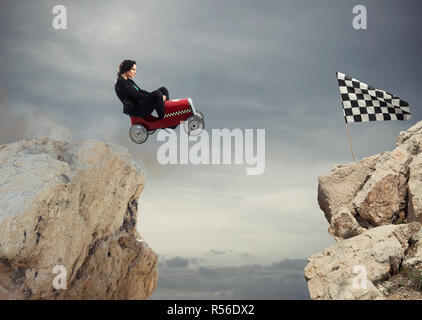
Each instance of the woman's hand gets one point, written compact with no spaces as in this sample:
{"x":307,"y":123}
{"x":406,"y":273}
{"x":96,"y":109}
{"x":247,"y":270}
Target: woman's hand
{"x":164,"y":98}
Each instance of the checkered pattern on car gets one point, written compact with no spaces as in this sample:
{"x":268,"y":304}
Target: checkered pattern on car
{"x":176,"y":113}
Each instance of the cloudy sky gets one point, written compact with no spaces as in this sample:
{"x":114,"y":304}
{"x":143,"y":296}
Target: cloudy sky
{"x":247,"y":64}
{"x":279,"y":280}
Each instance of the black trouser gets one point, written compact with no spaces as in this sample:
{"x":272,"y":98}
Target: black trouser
{"x":153,"y":101}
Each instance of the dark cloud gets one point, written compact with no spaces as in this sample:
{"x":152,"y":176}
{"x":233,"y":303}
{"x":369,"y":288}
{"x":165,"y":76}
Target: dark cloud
{"x":213,"y":252}
{"x":247,"y":64}
{"x":289,"y":264}
{"x":177,"y":262}
{"x":282,"y":280}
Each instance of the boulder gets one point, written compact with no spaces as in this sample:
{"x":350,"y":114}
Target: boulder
{"x":415,"y":189}
{"x":382,"y":198}
{"x":349,"y":269}
{"x":71,"y":206}
{"x":340,"y":186}
{"x":374,"y":208}
{"x":414,"y":259}
{"x":343,"y":224}
{"x":383,"y":189}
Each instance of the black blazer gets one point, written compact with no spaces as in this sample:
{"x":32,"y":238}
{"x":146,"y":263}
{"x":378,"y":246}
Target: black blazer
{"x":128,"y":95}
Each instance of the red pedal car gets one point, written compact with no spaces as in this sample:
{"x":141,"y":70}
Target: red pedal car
{"x":175,"y":112}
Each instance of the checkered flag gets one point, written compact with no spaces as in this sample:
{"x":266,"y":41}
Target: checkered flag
{"x":363,"y":103}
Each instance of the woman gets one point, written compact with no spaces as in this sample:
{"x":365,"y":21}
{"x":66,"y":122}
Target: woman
{"x":138,"y":102}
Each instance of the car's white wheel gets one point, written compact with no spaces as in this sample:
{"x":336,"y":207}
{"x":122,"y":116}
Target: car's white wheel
{"x":194,"y":126}
{"x":138,"y":133}
{"x":201,"y":116}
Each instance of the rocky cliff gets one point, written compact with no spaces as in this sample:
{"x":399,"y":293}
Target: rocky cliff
{"x":374,"y":208}
{"x":68,"y":215}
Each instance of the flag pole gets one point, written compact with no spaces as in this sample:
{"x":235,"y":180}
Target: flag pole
{"x":350,"y":142}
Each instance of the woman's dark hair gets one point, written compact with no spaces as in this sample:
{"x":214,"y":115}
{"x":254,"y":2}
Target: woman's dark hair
{"x":126,"y":65}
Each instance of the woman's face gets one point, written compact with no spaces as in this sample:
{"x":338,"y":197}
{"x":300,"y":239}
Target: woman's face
{"x":131,"y":73}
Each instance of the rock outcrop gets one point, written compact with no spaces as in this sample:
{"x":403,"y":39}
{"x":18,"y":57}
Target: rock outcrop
{"x":374,"y":208}
{"x":349,"y":269}
{"x":68,"y":215}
